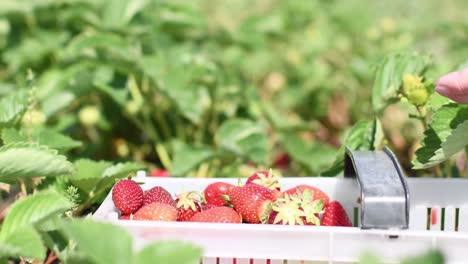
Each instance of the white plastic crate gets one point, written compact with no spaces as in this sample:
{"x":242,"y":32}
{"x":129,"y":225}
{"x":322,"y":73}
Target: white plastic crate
{"x":438,"y":219}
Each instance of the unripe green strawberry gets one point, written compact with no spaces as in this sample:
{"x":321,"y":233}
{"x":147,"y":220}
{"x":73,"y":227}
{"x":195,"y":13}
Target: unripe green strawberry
{"x":418,"y":97}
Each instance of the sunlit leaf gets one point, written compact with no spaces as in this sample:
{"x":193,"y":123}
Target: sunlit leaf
{"x":35,"y":161}
{"x":86,"y":234}
{"x":244,"y":138}
{"x":32,"y":210}
{"x":435,"y":147}
{"x":187,"y":157}
{"x":389,"y":76}
{"x":22,"y":242}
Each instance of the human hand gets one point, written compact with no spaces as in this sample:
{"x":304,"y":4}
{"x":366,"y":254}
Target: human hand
{"x":454,"y":85}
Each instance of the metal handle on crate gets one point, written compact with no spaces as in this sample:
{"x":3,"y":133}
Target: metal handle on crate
{"x":384,"y":191}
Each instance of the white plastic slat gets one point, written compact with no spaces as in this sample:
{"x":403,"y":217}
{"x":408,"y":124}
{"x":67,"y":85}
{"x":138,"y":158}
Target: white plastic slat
{"x":435,"y":218}
{"x":294,"y":262}
{"x":276,"y":261}
{"x":449,"y":221}
{"x":463,"y":219}
{"x":242,"y":261}
{"x":225,"y":261}
{"x":418,"y":218}
{"x":209,"y":261}
{"x":259,"y":261}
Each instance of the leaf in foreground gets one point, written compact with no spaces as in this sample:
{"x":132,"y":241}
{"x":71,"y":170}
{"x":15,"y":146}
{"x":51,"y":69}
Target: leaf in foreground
{"x":170,"y":252}
{"x":101,"y":242}
{"x":34,"y":209}
{"x":445,"y":121}
{"x":23,"y":242}
{"x":30,"y":160}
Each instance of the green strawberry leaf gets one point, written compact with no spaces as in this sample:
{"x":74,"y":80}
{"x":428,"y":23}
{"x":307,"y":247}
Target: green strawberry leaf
{"x":244,"y":138}
{"x":170,"y":252}
{"x":389,"y":76}
{"x":12,"y":108}
{"x":453,"y":144}
{"x":445,"y":122}
{"x":88,"y":236}
{"x":33,"y":210}
{"x":119,"y":13}
{"x":364,"y":135}
{"x":187,"y":157}
{"x":35,"y":161}
{"x":117,"y":171}
{"x":22,"y":242}
{"x":431,"y":257}
{"x":41,"y":136}
{"x":315,"y":156}
{"x":88,"y":173}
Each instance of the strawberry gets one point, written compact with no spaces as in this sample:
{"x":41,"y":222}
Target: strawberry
{"x":158,"y":194}
{"x":221,"y":214}
{"x":317,"y":194}
{"x":283,"y":161}
{"x":206,"y":206}
{"x":156,"y":212}
{"x":126,"y":217}
{"x":187,"y":206}
{"x":159,"y":173}
{"x":253,"y":202}
{"x":266,"y":179}
{"x":214,"y":193}
{"x":295,"y":210}
{"x":335,"y":215}
{"x":127,"y":196}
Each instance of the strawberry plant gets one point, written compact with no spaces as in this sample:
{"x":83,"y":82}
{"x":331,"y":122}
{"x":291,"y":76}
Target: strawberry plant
{"x":92,"y":91}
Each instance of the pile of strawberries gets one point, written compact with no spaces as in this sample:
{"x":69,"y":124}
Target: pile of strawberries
{"x":259,"y":201}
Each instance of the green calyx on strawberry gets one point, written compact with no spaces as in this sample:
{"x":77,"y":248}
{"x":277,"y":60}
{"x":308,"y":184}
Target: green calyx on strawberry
{"x":266,"y":179}
{"x":295,"y":210}
{"x":217,"y":193}
{"x":187,"y":205}
{"x":316,"y":193}
{"x":253,"y":202}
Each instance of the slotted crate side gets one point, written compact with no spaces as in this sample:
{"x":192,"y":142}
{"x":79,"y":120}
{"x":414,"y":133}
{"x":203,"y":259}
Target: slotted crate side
{"x":336,"y":245}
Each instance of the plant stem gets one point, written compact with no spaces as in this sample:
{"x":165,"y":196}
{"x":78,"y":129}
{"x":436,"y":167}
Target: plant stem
{"x":422,"y":117}
{"x":163,"y":156}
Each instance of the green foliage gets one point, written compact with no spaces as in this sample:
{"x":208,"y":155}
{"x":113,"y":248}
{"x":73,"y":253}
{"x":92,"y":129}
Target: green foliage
{"x":364,"y":135}
{"x":445,"y":136}
{"x":35,"y":161}
{"x":389,"y":75}
{"x":119,"y":242}
{"x":33,"y":210}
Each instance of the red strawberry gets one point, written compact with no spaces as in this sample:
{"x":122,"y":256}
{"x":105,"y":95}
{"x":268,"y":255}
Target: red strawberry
{"x":220,"y":214}
{"x":253,"y":202}
{"x":127,"y":196}
{"x":317,"y":194}
{"x":295,"y":210}
{"x":335,"y":215}
{"x":126,"y":217}
{"x":187,"y":206}
{"x":156,"y":212}
{"x":266,"y":179}
{"x":158,"y":194}
{"x":214,"y":193}
{"x":282,"y":161}
{"x":159,"y":173}
{"x":206,"y":206}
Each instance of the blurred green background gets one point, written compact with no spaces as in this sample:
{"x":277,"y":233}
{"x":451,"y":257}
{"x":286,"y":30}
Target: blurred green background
{"x":216,"y":88}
